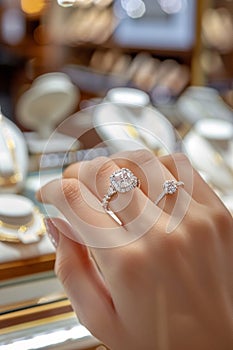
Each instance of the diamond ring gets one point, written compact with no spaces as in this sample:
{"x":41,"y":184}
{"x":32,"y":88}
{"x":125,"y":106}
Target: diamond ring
{"x":121,"y":181}
{"x":169,"y":187}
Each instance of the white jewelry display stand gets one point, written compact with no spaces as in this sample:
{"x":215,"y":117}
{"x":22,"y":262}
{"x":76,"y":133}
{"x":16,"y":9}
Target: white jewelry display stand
{"x":13,"y":157}
{"x":209,"y":145}
{"x":199,"y":102}
{"x":20,"y":221}
{"x":126,"y":121}
{"x":51,"y":98}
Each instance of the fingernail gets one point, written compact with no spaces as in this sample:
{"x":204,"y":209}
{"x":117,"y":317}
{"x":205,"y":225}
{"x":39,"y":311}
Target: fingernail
{"x":52,"y":232}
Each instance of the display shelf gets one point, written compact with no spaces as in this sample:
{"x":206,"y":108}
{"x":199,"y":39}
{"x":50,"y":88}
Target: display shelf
{"x":50,"y":326}
{"x":18,"y":268}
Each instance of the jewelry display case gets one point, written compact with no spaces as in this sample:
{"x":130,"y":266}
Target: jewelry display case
{"x":81,"y":63}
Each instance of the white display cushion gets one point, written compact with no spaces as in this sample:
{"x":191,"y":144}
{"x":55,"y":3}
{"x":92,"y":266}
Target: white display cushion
{"x":50,"y":99}
{"x":124,"y":128}
{"x":58,"y":142}
{"x":13,"y":162}
{"x":128,"y":97}
{"x":15,"y":210}
{"x":20,"y":220}
{"x":207,"y":160}
{"x":215,"y":129}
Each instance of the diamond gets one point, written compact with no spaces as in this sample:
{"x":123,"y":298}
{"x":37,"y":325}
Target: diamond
{"x":170,"y":186}
{"x":111,"y":191}
{"x":123,"y":180}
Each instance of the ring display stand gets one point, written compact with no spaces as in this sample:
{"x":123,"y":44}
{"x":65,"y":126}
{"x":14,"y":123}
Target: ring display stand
{"x":13,"y":156}
{"x":126,"y":121}
{"x":209,"y":145}
{"x":51,"y":98}
{"x":20,"y":220}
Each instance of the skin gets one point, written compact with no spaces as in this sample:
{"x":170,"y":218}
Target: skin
{"x":169,"y":287}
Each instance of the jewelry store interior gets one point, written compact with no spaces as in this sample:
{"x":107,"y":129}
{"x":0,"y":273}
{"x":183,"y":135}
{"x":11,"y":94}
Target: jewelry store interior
{"x":87,"y":78}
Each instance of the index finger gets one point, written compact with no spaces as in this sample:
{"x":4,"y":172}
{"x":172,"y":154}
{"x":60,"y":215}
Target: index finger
{"x":83,"y":211}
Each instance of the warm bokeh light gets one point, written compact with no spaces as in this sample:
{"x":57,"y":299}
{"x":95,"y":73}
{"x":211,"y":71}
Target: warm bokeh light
{"x":32,"y":7}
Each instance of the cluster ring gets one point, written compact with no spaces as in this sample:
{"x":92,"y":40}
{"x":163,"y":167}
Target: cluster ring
{"x":121,"y":181}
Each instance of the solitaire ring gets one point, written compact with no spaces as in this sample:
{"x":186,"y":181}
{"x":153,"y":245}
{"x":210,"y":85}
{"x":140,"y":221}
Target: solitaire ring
{"x":121,"y":181}
{"x":169,"y":187}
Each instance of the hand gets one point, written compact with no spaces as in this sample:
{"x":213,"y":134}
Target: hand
{"x":161,"y":281}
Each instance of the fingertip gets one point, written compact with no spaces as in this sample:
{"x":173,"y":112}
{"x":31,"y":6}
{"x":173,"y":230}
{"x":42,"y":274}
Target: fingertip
{"x":47,"y":191}
{"x":66,"y":230}
{"x":52,"y":231}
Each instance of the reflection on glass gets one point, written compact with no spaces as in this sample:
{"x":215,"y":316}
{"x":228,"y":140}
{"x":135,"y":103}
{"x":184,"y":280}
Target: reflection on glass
{"x":172,"y":6}
{"x":66,"y":3}
{"x":134,"y":8}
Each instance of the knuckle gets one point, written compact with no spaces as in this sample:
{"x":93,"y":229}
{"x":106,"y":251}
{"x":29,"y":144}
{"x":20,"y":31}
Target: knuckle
{"x":106,"y":167}
{"x":222,"y":220}
{"x":99,"y":162}
{"x":94,"y":167}
{"x":200,"y":228}
{"x":175,"y":158}
{"x":72,"y":192}
{"x":179,"y":165}
{"x":171,"y":244}
{"x":141,"y":156}
{"x":138,"y":156}
{"x":70,"y":171}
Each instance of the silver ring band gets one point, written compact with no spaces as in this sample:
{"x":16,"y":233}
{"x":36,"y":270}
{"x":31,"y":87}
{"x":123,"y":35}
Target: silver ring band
{"x":169,"y":187}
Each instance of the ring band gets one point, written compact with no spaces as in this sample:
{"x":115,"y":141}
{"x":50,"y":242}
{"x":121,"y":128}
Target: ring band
{"x":121,"y":181}
{"x":169,"y":187}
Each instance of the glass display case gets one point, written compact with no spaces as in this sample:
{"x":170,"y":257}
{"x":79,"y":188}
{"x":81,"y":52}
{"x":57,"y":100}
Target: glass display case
{"x":72,"y":60}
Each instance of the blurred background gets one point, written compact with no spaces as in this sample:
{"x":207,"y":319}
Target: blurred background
{"x":103,"y":44}
{"x":159,"y":71}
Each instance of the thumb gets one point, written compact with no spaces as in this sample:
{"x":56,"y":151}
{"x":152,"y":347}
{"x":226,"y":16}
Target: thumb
{"x":82,"y":281}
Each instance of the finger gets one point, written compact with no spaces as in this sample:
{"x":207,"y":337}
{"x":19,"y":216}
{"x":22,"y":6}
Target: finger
{"x":72,"y":171}
{"x":130,"y":207}
{"x":143,"y":164}
{"x":148,"y":168}
{"x":153,"y":174}
{"x":84,"y":212}
{"x":176,"y":204}
{"x":82,"y":282}
{"x":180,"y":166}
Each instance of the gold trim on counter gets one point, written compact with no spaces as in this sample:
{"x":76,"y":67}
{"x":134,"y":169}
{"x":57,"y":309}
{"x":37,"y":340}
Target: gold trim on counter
{"x":16,"y":231}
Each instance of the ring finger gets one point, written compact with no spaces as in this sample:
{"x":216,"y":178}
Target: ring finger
{"x":128,"y":206}
{"x":153,"y":174}
{"x":131,"y":206}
